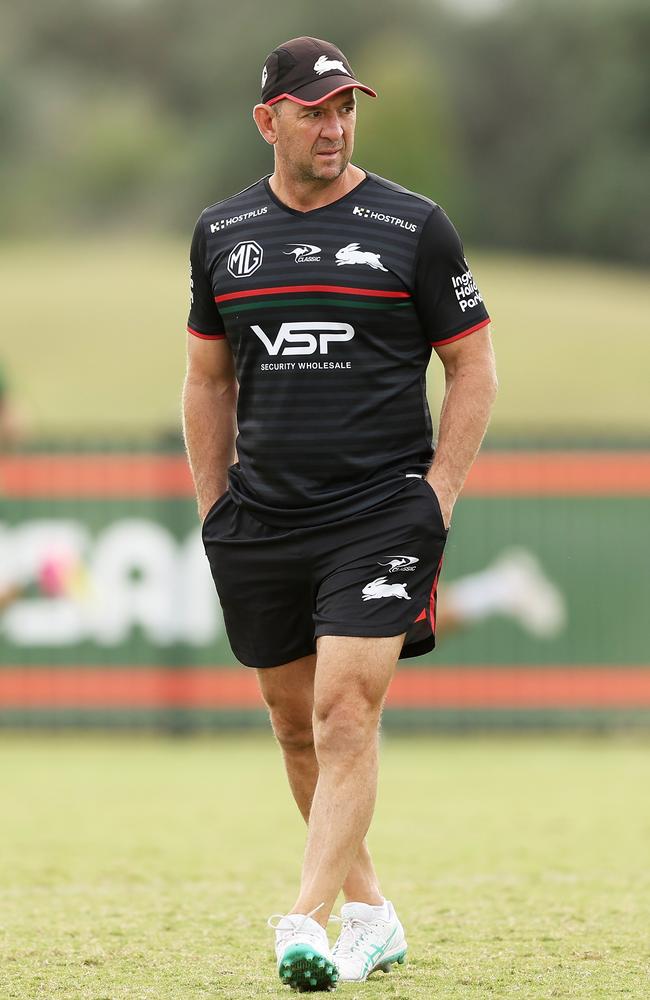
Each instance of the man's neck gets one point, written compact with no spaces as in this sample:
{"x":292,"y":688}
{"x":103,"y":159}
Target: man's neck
{"x":304,"y":196}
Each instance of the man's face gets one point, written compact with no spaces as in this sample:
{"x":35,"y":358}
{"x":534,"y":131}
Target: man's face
{"x":316,"y":143}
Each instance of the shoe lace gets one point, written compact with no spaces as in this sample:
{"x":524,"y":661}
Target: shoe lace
{"x":353,"y":933}
{"x":289,"y":925}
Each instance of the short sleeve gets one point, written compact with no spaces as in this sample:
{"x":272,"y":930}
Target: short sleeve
{"x":447,"y":300}
{"x":204,"y":320}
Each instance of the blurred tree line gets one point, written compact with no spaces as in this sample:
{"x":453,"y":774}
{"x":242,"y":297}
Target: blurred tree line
{"x":528,"y":121}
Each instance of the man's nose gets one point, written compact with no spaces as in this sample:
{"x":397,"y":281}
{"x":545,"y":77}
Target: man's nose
{"x":332,"y":127}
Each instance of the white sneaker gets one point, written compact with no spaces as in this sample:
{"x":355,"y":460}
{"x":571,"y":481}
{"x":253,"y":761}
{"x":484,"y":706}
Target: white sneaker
{"x":531,"y":598}
{"x":305,"y":962}
{"x":367,"y":942}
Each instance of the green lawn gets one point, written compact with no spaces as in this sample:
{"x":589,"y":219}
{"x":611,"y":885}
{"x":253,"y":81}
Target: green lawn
{"x":94,"y":339}
{"x":136,"y":868}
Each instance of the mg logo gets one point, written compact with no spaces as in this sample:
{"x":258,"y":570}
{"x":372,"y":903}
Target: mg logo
{"x":303,"y":336}
{"x":245,"y":258}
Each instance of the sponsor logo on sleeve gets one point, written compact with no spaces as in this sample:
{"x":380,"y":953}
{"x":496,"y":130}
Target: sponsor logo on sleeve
{"x":465,"y":290}
{"x":220,"y":224}
{"x":352,"y":254}
{"x":392,"y":220}
{"x":245,"y":258}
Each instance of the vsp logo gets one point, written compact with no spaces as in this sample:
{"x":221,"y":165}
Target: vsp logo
{"x":245,"y":258}
{"x":303,"y":336}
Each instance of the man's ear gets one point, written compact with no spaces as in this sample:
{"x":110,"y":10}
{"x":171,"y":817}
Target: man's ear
{"x":266,"y":120}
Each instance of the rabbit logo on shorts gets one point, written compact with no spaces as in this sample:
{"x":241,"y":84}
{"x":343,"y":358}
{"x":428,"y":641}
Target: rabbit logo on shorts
{"x":379,"y":588}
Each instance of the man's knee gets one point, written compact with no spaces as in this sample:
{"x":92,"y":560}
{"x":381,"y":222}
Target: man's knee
{"x":293,"y":732}
{"x":353,"y":675}
{"x":289,"y":695}
{"x":345,"y":724}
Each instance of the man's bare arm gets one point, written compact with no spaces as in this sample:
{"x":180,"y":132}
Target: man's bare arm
{"x":209,"y":417}
{"x":470,"y":390}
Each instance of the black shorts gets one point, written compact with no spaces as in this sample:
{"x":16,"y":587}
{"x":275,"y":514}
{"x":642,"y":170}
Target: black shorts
{"x":372,"y":574}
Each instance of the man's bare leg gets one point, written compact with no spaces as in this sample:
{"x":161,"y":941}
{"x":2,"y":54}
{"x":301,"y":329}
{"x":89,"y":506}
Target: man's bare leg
{"x":350,"y":684}
{"x":289,"y":694}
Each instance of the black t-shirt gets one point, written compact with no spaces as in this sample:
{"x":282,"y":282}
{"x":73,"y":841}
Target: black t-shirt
{"x":331,"y":315}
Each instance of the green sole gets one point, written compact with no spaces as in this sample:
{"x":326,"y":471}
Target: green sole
{"x":306,"y":971}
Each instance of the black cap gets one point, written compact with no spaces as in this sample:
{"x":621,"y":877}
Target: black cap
{"x":307,"y":71}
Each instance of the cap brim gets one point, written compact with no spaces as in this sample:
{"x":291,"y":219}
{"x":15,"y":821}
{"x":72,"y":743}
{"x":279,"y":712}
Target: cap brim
{"x":319,"y":90}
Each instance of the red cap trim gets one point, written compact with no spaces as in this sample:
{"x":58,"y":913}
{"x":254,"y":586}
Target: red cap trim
{"x":311,"y":104}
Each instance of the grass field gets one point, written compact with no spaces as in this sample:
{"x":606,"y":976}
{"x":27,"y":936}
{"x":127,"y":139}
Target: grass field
{"x":97,"y":339}
{"x":137,"y":868}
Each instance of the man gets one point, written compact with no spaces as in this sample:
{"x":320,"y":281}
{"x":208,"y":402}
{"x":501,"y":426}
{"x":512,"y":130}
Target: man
{"x":319,"y":291}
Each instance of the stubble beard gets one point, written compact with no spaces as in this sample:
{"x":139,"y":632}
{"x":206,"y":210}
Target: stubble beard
{"x":310,"y":172}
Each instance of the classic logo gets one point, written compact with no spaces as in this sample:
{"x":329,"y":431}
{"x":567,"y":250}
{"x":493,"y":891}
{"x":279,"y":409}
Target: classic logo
{"x":303,"y":251}
{"x":245,"y":258}
{"x":265,"y":76}
{"x":303,"y":335}
{"x":379,"y":588}
{"x":351,"y":254}
{"x":397,"y":563}
{"x":324,"y":65}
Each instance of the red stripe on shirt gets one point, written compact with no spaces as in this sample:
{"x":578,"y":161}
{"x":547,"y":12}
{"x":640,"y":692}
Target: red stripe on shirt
{"x":342,"y":289}
{"x":206,"y":336}
{"x":457,"y":336}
